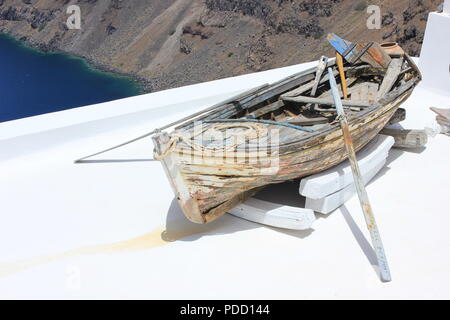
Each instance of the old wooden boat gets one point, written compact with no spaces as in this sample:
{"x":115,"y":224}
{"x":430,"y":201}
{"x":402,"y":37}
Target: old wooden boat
{"x":278,"y":132}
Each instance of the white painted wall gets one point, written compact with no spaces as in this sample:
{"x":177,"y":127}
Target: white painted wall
{"x":447,"y":6}
{"x":435,"y":56}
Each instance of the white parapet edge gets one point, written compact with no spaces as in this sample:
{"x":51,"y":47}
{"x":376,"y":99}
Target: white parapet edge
{"x":275,"y":215}
{"x":332,"y":180}
{"x":332,"y":202}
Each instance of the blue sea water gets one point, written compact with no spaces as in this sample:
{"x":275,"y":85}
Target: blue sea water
{"x":33,"y":83}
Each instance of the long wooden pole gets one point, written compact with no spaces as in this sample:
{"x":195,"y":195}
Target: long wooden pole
{"x":340,"y":64}
{"x":362,"y":193}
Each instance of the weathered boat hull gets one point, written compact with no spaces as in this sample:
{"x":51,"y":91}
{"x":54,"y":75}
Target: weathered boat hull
{"x":208,"y":189}
{"x":220,"y":158}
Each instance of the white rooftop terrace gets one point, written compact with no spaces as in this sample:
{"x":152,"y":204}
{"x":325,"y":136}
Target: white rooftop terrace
{"x":112,"y":229}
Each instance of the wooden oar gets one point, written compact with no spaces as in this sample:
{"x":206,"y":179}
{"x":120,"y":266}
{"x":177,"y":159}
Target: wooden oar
{"x":340,"y":64}
{"x":362,"y":193}
{"x":321,"y":67}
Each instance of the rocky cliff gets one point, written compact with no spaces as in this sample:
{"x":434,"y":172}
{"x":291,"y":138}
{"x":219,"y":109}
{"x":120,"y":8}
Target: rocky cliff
{"x":170,"y":43}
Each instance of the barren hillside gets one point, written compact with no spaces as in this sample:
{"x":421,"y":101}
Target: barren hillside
{"x":170,"y":43}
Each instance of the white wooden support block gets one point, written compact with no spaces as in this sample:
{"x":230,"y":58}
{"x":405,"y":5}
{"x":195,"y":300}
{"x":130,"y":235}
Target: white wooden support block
{"x":275,"y":215}
{"x":331,"y":202}
{"x":330,"y":181}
